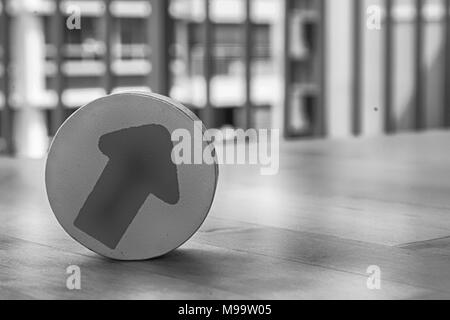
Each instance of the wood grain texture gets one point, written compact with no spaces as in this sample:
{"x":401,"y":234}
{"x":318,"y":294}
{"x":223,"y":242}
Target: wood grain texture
{"x":335,"y":208}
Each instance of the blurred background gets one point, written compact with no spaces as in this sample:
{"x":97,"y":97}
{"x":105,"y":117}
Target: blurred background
{"x":312,"y":68}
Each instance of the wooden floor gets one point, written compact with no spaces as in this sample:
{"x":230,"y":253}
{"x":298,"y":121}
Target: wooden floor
{"x":334,"y":209}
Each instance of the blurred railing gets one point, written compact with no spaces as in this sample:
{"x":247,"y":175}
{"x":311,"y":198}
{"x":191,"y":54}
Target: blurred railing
{"x":157,"y":35}
{"x":208,"y":68}
{"x":158,"y":38}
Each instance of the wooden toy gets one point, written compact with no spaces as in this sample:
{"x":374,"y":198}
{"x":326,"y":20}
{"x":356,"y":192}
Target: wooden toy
{"x":111,"y":181}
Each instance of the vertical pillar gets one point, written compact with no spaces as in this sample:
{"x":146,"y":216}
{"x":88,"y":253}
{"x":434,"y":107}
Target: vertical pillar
{"x":357,"y":64}
{"x":446,"y":107}
{"x":57,"y":40}
{"x":388,"y":71}
{"x":207,"y":114}
{"x":30,"y":129}
{"x":419,"y":74}
{"x":159,"y":38}
{"x":248,"y":45}
{"x":108,"y":82}
{"x":6,"y":116}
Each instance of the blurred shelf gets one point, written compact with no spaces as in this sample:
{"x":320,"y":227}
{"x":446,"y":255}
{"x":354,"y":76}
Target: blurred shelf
{"x":134,"y":67}
{"x":406,"y":13}
{"x":92,"y":68}
{"x":83,"y":68}
{"x":224,"y":11}
{"x":132,"y":51}
{"x":88,"y":8}
{"x":41,"y":7}
{"x":96,"y":48}
{"x":227,"y":91}
{"x":93,"y":48}
{"x":136,"y":58}
{"x":304,"y":114}
{"x":131,"y":9}
{"x":71,"y":98}
{"x":75,"y":98}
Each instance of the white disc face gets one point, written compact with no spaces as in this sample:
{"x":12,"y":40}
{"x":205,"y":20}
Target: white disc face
{"x":112,"y":184}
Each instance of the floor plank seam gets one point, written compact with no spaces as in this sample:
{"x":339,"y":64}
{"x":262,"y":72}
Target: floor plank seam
{"x":314,"y":235}
{"x":363,"y":275}
{"x":407,"y":245}
{"x":404,"y":203}
{"x":51,"y":247}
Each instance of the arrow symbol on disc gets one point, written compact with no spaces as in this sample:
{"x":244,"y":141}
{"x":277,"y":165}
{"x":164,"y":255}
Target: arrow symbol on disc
{"x":139,"y":165}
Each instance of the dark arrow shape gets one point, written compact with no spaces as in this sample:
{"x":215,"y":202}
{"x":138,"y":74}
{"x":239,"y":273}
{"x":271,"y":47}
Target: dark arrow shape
{"x":139,"y":165}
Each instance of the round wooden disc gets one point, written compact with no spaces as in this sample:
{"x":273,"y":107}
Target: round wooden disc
{"x":112,"y":184}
